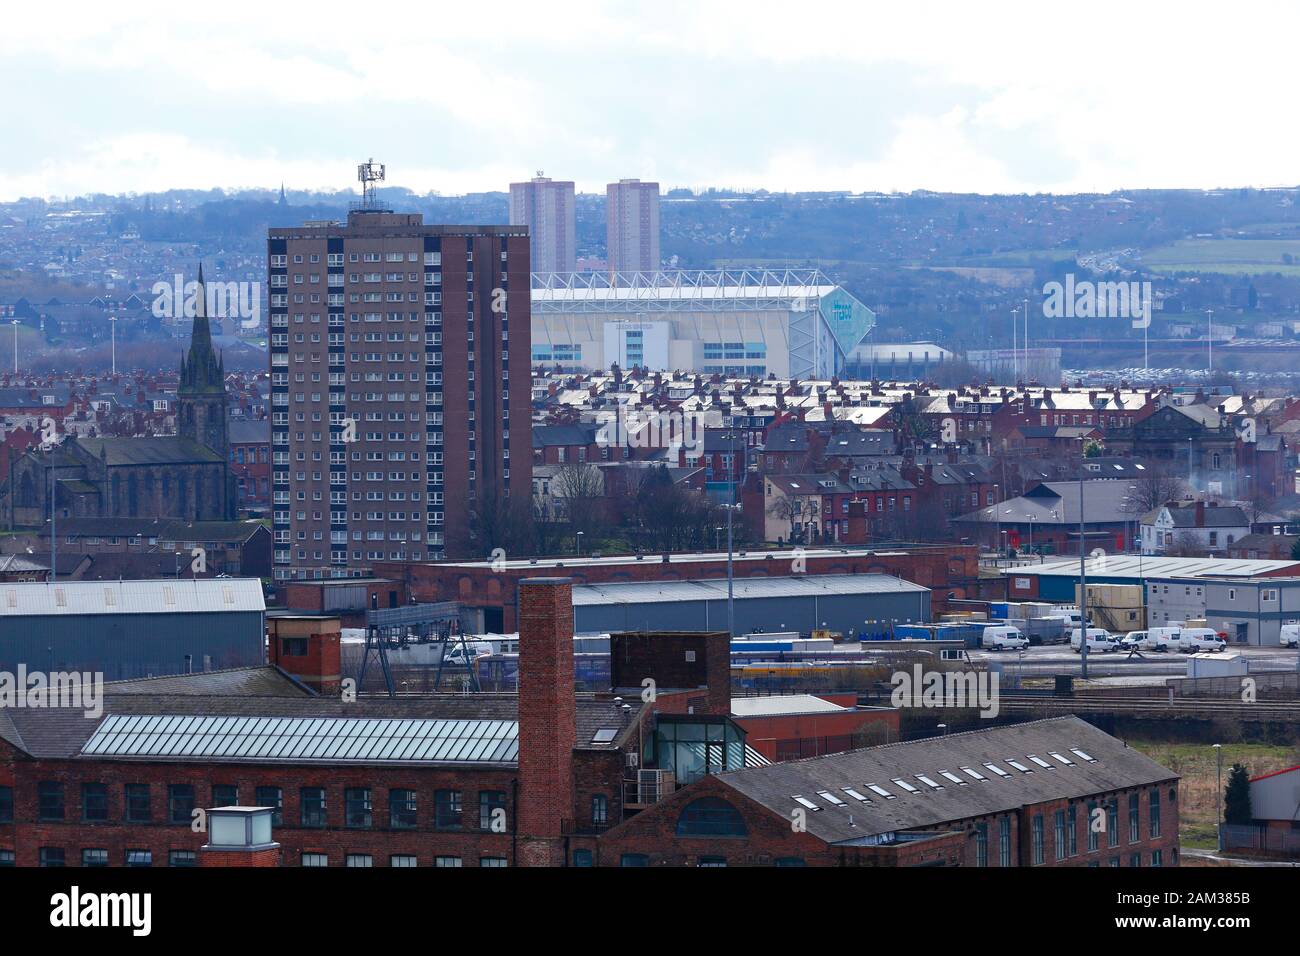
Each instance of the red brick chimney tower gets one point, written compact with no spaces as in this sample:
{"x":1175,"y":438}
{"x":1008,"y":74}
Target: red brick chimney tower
{"x":547,"y":719}
{"x":857,"y":532}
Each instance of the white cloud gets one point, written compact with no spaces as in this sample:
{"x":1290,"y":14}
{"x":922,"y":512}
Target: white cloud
{"x":1017,"y":96}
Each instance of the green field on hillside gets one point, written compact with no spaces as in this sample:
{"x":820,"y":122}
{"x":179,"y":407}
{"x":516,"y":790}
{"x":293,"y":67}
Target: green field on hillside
{"x":1228,"y":256}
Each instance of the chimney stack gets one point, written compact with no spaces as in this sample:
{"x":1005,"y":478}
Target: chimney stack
{"x":547,"y":719}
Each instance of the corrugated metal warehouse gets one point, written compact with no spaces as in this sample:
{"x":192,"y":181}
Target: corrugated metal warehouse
{"x":129,"y":629}
{"x":861,"y":603}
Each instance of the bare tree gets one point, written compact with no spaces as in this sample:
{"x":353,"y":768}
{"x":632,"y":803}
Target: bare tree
{"x":581,"y":489}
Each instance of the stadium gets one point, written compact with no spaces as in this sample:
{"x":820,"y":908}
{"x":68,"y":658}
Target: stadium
{"x":791,"y":324}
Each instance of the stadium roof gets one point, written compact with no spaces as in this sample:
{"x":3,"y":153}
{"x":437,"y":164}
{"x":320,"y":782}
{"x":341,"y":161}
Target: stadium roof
{"x":822,"y":585}
{"x":165,"y":596}
{"x":639,"y":292}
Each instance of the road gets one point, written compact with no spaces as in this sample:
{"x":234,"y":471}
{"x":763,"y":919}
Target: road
{"x":1045,"y":661}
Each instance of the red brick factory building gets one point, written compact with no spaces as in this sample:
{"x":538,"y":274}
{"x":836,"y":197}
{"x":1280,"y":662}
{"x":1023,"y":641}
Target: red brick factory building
{"x":551,"y":777}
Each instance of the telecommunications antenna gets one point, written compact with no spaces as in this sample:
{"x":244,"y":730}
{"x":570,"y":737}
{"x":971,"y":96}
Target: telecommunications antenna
{"x":369,"y":173}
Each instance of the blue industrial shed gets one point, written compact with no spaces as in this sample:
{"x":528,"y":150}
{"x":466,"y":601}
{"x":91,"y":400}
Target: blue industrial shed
{"x":131,"y":629}
{"x":866,"y":604}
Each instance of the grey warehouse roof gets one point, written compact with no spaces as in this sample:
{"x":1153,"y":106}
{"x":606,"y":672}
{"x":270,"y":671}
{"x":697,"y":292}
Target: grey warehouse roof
{"x":822,"y":585}
{"x":1153,"y":566}
{"x":330,"y":739}
{"x":165,"y":596}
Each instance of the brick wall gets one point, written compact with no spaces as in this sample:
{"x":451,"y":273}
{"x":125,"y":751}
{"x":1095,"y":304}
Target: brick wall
{"x":675,"y":661}
{"x":28,"y":835}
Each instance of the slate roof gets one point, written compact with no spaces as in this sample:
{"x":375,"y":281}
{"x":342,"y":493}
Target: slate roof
{"x":1115,"y":766}
{"x":169,"y":450}
{"x":244,"y":431}
{"x":548,"y":436}
{"x":1224,"y":516}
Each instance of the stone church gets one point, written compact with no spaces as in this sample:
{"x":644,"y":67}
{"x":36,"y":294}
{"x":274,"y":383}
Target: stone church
{"x":186,"y":475}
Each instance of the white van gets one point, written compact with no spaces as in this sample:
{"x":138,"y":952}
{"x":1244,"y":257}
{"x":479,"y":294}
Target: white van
{"x":1161,"y":639}
{"x":1003,"y":639}
{"x":454,"y":653}
{"x":1193,"y":640}
{"x":1099,"y":639}
{"x":1133,"y":639}
{"x":1290,"y":635}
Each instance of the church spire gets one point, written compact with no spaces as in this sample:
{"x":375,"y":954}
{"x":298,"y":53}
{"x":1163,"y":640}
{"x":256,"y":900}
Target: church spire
{"x":200,"y":369}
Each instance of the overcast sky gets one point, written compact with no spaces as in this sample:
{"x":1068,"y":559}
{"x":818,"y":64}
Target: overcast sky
{"x":457,"y":97}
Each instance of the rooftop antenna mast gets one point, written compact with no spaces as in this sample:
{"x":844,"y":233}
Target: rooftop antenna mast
{"x":369,"y":173}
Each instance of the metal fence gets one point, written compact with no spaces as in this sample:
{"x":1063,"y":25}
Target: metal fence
{"x":1254,"y":838}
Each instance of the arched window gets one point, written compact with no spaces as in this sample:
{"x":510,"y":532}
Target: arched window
{"x":710,"y":816}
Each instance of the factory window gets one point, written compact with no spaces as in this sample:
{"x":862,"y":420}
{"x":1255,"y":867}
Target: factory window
{"x":634,"y":859}
{"x":363,"y":860}
{"x":403,"y":809}
{"x":94,"y":802}
{"x":1134,"y":826}
{"x":293,"y":647}
{"x":180,"y":802}
{"x":446,"y":809}
{"x":182,"y":858}
{"x":495,"y":862}
{"x":94,"y":857}
{"x":312,"y":806}
{"x":711,"y":817}
{"x":599,"y":810}
{"x":139,"y":858}
{"x":402,"y":861}
{"x":6,"y":804}
{"x":789,"y":861}
{"x":1112,"y":822}
{"x":51,"y":856}
{"x":1058,"y":834}
{"x":1093,"y":817}
{"x":582,"y":858}
{"x":1037,"y":838}
{"x":446,"y":861}
{"x":272,"y":797}
{"x":1004,"y":841}
{"x":489,"y":803}
{"x":1155,"y":814}
{"x":981,"y":844}
{"x":315,"y":859}
{"x":1135,"y":859}
{"x":49,"y":801}
{"x":356,"y":808}
{"x":1156,"y":858}
{"x":6,"y":858}
{"x":225,"y":795}
{"x":136,"y":798}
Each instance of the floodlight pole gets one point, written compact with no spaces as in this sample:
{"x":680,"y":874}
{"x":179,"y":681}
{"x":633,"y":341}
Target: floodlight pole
{"x":1083,"y":590}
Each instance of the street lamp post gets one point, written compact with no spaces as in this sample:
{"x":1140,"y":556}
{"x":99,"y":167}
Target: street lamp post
{"x":578,"y":542}
{"x":1218,"y":795}
{"x":112,"y":325}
